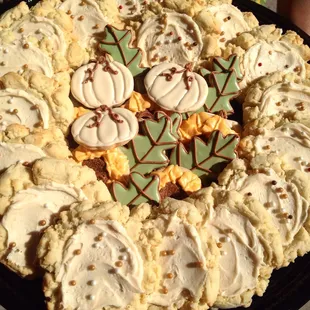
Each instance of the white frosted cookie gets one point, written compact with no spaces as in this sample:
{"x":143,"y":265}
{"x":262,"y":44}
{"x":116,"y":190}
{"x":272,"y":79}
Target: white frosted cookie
{"x":250,"y":245}
{"x":289,"y":141}
{"x":102,"y":83}
{"x":169,"y":37}
{"x":35,"y":101}
{"x":91,"y":260}
{"x":37,"y":194}
{"x":176,"y":88}
{"x":265,"y":50}
{"x":180,"y":258}
{"x":285,"y":204}
{"x":105,"y":128}
{"x":277,"y":94}
{"x":11,"y":153}
{"x":220,"y":23}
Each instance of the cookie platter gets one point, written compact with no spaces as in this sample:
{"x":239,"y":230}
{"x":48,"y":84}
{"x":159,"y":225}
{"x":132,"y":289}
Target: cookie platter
{"x":124,"y":181}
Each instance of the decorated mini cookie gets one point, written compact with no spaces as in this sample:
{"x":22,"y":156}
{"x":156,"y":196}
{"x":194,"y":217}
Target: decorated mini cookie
{"x":175,"y":88}
{"x":105,"y":128}
{"x":206,"y":159}
{"x":100,"y":267}
{"x":147,"y":152}
{"x":278,"y":94}
{"x":118,"y":43}
{"x":288,"y":209}
{"x":249,"y":244}
{"x":21,"y":107}
{"x":88,"y":19}
{"x":102,"y":83}
{"x":169,"y":37}
{"x":11,"y":153}
{"x":289,"y":142}
{"x":17,"y":57}
{"x":140,"y":189}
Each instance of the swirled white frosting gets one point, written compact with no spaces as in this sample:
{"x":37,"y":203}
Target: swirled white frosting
{"x":231,"y":20}
{"x":109,"y":133}
{"x":290,"y":141}
{"x":30,"y":110}
{"x":242,"y":253}
{"x":13,"y":57}
{"x":88,"y":20}
{"x":182,"y":264}
{"x":11,"y":153}
{"x":128,"y":9}
{"x":33,"y":205}
{"x":47,"y":34}
{"x":107,"y":285}
{"x":159,"y":36}
{"x":264,"y":58}
{"x":261,"y":188}
{"x":284,"y":97}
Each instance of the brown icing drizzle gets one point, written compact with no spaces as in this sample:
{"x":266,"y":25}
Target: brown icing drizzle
{"x":186,"y":71}
{"x":101,"y":60}
{"x":99,"y":115}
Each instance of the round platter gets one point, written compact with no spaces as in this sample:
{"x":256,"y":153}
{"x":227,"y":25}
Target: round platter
{"x":289,"y":287}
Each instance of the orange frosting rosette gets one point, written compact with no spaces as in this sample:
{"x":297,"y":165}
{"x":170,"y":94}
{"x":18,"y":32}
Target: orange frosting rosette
{"x":138,"y":103}
{"x":188,"y":180}
{"x":80,"y":111}
{"x":204,"y":123}
{"x":116,"y":161}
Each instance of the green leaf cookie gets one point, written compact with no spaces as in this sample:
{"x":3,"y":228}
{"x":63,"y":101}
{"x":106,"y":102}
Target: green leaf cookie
{"x":117,"y":44}
{"x":147,"y":152}
{"x":231,"y":64}
{"x":140,"y":189}
{"x":206,"y":159}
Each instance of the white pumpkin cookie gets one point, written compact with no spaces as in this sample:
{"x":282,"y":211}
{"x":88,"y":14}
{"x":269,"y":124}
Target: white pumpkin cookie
{"x":176,"y":88}
{"x":105,"y":128}
{"x":285,"y":204}
{"x":277,"y":94}
{"x":220,"y":23}
{"x":180,"y":258}
{"x":265,"y":50}
{"x":250,"y":245}
{"x":35,"y":101}
{"x":36,"y":195}
{"x":169,"y":37}
{"x":102,"y":83}
{"x":91,"y":260}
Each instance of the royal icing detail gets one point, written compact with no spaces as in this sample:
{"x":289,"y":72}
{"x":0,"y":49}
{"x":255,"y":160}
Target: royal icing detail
{"x":288,"y":209}
{"x":169,"y":37}
{"x":231,"y":22}
{"x":36,"y":206}
{"x":118,"y":43}
{"x":11,"y":153}
{"x":264,"y":58}
{"x":88,"y":20}
{"x":107,"y":272}
{"x":241,"y":251}
{"x":175,"y":88}
{"x":147,"y":152}
{"x":182,"y":262}
{"x":284,"y":98}
{"x":206,"y":159}
{"x":20,"y":107}
{"x":140,"y":189}
{"x":105,"y":128}
{"x":284,"y":139}
{"x":102,"y":83}
{"x":16,"y":57}
{"x":49,"y":36}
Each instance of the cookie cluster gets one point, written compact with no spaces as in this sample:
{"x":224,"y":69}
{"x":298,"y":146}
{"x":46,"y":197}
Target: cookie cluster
{"x":124,"y":181}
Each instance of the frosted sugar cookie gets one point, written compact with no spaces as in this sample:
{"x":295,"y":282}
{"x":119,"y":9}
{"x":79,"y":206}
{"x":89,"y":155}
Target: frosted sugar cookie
{"x":249,"y":244}
{"x":282,"y":198}
{"x":91,"y":259}
{"x":37,"y":194}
